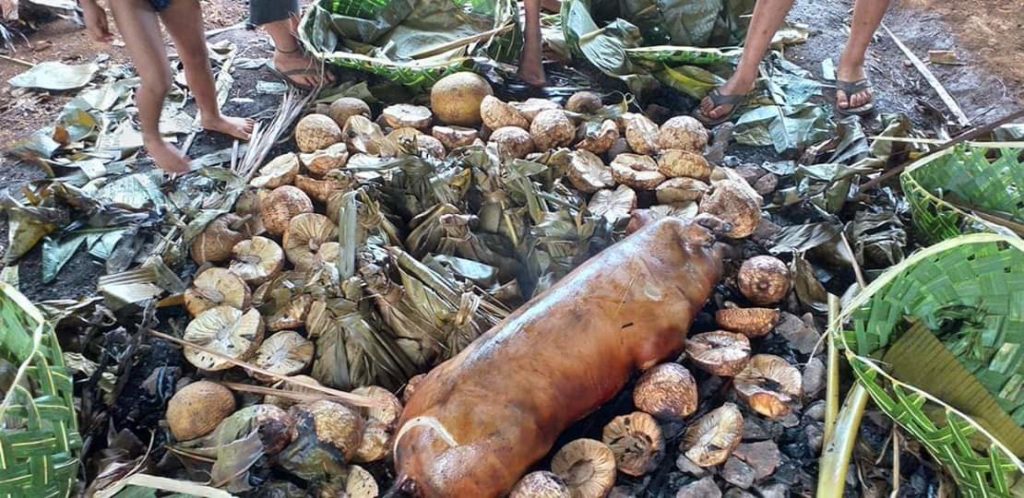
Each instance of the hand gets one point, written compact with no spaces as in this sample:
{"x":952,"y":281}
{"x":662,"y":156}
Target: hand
{"x":96,"y":21}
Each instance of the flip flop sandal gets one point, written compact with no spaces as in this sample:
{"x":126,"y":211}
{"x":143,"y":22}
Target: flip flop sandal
{"x":851,"y":88}
{"x":718,"y":99}
{"x":286,"y":76}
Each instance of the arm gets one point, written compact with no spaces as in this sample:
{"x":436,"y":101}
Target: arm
{"x":96,"y":21}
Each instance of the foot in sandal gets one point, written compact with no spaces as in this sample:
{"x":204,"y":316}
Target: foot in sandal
{"x":719,"y":105}
{"x":853,"y":90}
{"x":299,"y":70}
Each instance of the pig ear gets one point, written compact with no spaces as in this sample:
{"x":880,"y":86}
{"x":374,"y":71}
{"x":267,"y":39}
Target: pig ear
{"x":716,"y":225}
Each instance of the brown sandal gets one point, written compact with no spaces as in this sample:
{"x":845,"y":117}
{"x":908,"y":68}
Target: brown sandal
{"x":718,"y":99}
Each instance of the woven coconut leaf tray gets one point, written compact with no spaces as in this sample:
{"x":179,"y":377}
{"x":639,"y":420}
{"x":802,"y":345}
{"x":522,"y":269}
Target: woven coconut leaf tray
{"x":938,"y":341}
{"x":972,"y":188}
{"x":39,"y":440}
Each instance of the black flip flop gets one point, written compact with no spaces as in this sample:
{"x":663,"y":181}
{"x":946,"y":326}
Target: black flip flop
{"x":851,"y":88}
{"x":719,"y":99}
{"x":286,"y":76}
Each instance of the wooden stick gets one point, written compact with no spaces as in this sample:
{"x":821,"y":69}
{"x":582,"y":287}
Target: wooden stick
{"x":948,"y":99}
{"x":966,"y":136}
{"x":17,"y":61}
{"x":281,"y":393}
{"x":349,"y":398}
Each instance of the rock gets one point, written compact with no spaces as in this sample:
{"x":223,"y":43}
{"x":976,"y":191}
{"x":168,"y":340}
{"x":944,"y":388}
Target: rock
{"x":737,"y":473}
{"x":756,"y":429}
{"x":750,"y":172}
{"x":815,"y":437}
{"x":790,"y":420}
{"x":738,"y":493}
{"x":621,"y":492}
{"x":801,"y":336}
{"x":816,"y":411}
{"x":766,"y":184}
{"x":764,"y":457}
{"x":777,"y":490}
{"x":814,"y":378}
{"x":765,"y":231}
{"x":704,"y":488}
{"x":686,"y":466}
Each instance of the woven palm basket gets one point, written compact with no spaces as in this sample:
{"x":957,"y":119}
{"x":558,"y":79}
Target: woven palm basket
{"x":973,"y":188}
{"x":39,"y":442}
{"x":938,"y":341}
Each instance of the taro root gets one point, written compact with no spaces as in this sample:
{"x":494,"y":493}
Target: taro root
{"x":683,"y":132}
{"x":667,"y":391}
{"x":407,"y":116}
{"x":712,"y":439}
{"x":324,"y":161}
{"x":497,"y":114}
{"x":681,"y":189}
{"x":540,"y":484}
{"x":677,"y":162}
{"x":196,"y":409}
{"x":280,"y":170}
{"x":364,"y":136}
{"x":224,"y":330}
{"x":284,"y":353}
{"x":380,"y":424}
{"x":286,"y":402}
{"x":215,"y":287}
{"x":292,"y":315}
{"x":751,"y":322}
{"x":257,"y":260}
{"x":512,"y":142}
{"x":636,"y":441}
{"x":399,"y":135}
{"x":281,"y":205}
{"x":637,"y":171}
{"x":550,"y":129}
{"x":733,"y":204}
{"x":410,"y":386}
{"x":719,"y":353}
{"x":427,"y":145}
{"x":769,"y":385}
{"x":587,"y":466}
{"x":599,"y":140}
{"x":306,"y":235}
{"x":315,"y":132}
{"x":588,"y":173}
{"x":335,"y":424}
{"x":453,"y":137}
{"x":641,"y":133}
{"x":584,"y":103}
{"x":360,"y":483}
{"x":456,"y":98}
{"x":533,"y":106}
{"x":321,"y":190}
{"x":764,"y":280}
{"x":214,"y":244}
{"x":346,"y":107}
{"x":613,"y":205}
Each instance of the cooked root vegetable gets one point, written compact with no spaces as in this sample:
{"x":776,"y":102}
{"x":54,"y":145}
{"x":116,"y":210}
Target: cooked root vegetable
{"x":719,"y":353}
{"x":552,"y":129}
{"x":281,"y":205}
{"x":512,"y":142}
{"x":637,"y":171}
{"x":324,"y":161}
{"x":737,"y":204}
{"x":335,"y":424}
{"x":587,"y":466}
{"x":667,"y":391}
{"x":540,"y":484}
{"x":713,"y":438}
{"x":770,"y":385}
{"x":641,"y":133}
{"x":584,"y":102}
{"x":453,"y":137}
{"x":477,"y":422}
{"x":497,"y":114}
{"x":284,"y":353}
{"x":214,"y":244}
{"x":588,"y":173}
{"x":360,"y":483}
{"x":257,"y":260}
{"x":599,"y":139}
{"x":751,"y":322}
{"x":292,"y":315}
{"x":380,"y":424}
{"x":225,"y":330}
{"x":764,"y":280}
{"x":407,"y":116}
{"x":683,"y":132}
{"x":215,"y":287}
{"x":315,"y":132}
{"x":456,"y":98}
{"x":675,"y":163}
{"x":680,"y":190}
{"x":346,"y":107}
{"x":532,"y":107}
{"x":306,"y":237}
{"x":613,"y":205}
{"x":281,"y":170}
{"x":365,"y":137}
{"x":196,"y":409}
{"x":636,"y":441}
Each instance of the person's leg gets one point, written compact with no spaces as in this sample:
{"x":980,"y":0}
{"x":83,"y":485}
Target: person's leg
{"x":137,"y":22}
{"x":531,"y":66}
{"x":867,"y":16}
{"x":184,"y":22}
{"x":766,"y":20}
{"x":280,"y":19}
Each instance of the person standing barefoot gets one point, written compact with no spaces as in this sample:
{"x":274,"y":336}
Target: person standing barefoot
{"x":138,"y":22}
{"x":853,"y":91}
{"x":280,"y":19}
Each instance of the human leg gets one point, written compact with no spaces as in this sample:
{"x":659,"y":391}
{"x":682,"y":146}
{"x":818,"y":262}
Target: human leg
{"x":184,"y":22}
{"x":280,"y":19}
{"x":531,"y":67}
{"x":138,"y":24}
{"x":767,"y":18}
{"x":867,"y":16}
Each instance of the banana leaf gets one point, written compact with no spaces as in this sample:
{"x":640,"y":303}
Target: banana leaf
{"x":383,"y":37}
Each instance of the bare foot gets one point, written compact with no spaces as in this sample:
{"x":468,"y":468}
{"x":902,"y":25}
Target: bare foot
{"x":851,"y":73}
{"x":735,"y":86}
{"x":301,"y":70}
{"x":166,"y":156}
{"x":239,"y":128}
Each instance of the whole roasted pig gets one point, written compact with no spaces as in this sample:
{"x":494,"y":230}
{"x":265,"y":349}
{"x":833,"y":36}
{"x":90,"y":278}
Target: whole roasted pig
{"x":477,"y":422}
